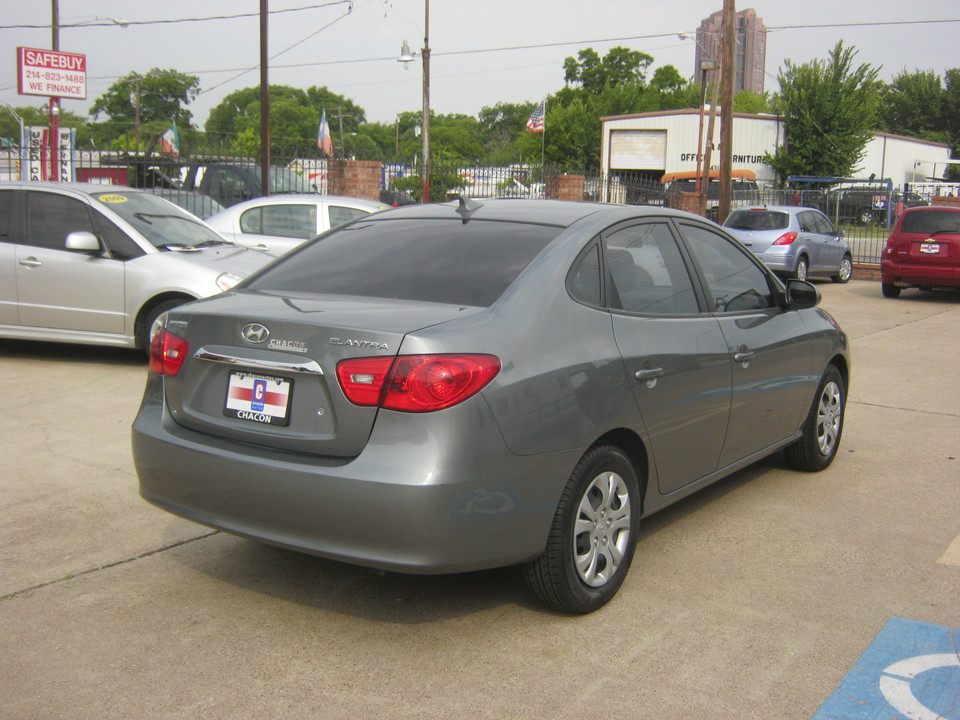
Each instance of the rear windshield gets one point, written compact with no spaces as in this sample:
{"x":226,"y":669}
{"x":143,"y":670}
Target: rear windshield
{"x":757,"y":220}
{"x":931,"y":221}
{"x":432,"y":260}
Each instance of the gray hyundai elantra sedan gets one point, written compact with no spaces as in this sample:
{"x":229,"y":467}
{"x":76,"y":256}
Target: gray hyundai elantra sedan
{"x":452,"y":387}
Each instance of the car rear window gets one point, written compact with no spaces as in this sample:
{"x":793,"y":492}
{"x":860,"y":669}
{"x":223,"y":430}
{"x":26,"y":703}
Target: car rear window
{"x":757,"y":220}
{"x":931,"y":221}
{"x":432,"y":260}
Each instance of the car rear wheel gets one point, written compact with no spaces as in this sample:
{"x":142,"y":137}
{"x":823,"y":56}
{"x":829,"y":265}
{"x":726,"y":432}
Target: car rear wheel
{"x":845,"y":271}
{"x":592,"y":539}
{"x":802,"y":268}
{"x":818,"y":445}
{"x":889,"y":290}
{"x":867,"y":216}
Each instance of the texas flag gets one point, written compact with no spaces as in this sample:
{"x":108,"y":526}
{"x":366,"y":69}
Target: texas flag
{"x":170,"y":141}
{"x":324,"y":141}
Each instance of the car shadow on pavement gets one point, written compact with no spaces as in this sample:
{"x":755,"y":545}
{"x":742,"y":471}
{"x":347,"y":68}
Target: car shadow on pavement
{"x":396,"y":598}
{"x":68,"y":352}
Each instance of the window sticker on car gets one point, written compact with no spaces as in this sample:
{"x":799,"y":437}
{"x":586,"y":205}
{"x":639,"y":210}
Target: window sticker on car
{"x":112,"y":198}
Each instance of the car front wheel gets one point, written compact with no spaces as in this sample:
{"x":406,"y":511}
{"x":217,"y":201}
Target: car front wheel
{"x":818,"y":445}
{"x":592,"y":539}
{"x":845,"y":271}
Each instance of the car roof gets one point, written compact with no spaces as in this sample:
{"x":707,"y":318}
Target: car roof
{"x":789,"y":209}
{"x":561,"y":213}
{"x":286,"y":198}
{"x":85,"y":188}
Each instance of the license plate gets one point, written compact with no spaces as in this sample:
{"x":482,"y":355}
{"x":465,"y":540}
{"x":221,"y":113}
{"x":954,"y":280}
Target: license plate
{"x":258,"y":398}
{"x":930,"y":248}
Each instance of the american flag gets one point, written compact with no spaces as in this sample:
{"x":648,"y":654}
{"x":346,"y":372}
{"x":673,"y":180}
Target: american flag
{"x":535,"y":123}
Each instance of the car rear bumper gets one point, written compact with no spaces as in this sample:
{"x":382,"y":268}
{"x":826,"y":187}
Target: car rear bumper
{"x":913,"y":274}
{"x":409,"y":502}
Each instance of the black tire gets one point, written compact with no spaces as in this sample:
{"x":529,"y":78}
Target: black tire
{"x":867,"y":216}
{"x":802,"y":269}
{"x":145,"y":333}
{"x":822,"y":429}
{"x":889,"y":290}
{"x":845,"y":272}
{"x":592,"y":539}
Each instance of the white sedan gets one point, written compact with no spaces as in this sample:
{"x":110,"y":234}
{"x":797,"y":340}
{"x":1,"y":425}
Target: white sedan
{"x":278,"y":223}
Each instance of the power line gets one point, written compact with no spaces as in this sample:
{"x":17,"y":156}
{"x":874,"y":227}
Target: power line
{"x":124,"y":23}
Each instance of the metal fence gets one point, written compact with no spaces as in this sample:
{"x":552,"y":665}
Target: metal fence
{"x":864,"y":211}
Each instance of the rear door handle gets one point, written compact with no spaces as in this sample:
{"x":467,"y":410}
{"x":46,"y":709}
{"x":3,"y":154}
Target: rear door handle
{"x":30,"y":262}
{"x":648,"y":373}
{"x":743,"y":356}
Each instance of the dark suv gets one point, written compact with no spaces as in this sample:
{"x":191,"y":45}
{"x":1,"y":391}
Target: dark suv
{"x":864,"y":205}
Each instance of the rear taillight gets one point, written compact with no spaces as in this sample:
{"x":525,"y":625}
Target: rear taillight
{"x":167,"y":353}
{"x":786,"y":239}
{"x":415,"y":383}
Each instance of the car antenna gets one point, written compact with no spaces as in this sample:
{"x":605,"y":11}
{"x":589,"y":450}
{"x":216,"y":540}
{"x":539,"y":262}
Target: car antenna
{"x":467,"y":206}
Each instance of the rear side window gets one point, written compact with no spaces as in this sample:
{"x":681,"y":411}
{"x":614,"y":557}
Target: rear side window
{"x":294,"y":221}
{"x":757,"y":220}
{"x":431,"y":260}
{"x":931,"y":221}
{"x":6,"y":210}
{"x":340,"y":215}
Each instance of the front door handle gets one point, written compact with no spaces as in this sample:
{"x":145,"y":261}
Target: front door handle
{"x":30,"y":262}
{"x":744,"y":356}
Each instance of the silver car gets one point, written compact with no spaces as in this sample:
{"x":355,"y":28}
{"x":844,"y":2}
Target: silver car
{"x":99,"y":264}
{"x":278,"y":223}
{"x":793,"y":241}
{"x":444,"y":388}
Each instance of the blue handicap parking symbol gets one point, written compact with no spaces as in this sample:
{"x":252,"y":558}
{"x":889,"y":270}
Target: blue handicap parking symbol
{"x":910,"y":671}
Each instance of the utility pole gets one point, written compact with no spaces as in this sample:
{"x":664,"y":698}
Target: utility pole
{"x":339,"y":117}
{"x":55,"y":101}
{"x":726,"y":107}
{"x":264,"y":103}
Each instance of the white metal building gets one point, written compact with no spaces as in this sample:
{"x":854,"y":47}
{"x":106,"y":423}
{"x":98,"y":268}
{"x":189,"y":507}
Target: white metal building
{"x":662,"y":142}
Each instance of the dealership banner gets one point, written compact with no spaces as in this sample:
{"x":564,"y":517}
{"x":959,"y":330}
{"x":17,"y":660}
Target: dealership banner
{"x":38,"y":158}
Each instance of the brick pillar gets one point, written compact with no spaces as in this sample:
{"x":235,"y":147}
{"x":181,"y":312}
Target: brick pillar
{"x":945,"y":200}
{"x":361,"y":179}
{"x":688,"y":201}
{"x":571,"y":187}
{"x":335,"y":176}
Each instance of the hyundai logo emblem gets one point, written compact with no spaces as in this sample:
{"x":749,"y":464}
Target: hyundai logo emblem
{"x":255,"y":333}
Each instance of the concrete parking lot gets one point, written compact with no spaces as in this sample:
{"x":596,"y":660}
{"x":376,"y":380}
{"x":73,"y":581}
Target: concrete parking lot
{"x":752,"y":599}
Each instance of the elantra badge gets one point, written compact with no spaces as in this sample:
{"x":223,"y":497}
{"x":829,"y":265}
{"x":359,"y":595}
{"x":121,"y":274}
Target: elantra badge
{"x":255,"y":333}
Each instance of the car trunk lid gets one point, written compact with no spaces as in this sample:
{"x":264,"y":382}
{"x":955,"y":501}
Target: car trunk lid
{"x":261,"y":369}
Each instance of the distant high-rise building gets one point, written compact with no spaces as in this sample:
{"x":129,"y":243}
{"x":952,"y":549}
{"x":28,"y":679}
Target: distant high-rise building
{"x":751,"y":49}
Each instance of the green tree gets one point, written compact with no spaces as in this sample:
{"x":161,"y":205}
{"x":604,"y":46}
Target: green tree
{"x":234,"y":124}
{"x":162,"y":94}
{"x":829,"y":109}
{"x":914,"y":104}
{"x":39,"y":116}
{"x":619,"y":67}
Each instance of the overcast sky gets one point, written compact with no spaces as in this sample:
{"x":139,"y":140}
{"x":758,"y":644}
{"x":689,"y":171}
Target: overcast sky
{"x":480,"y":50}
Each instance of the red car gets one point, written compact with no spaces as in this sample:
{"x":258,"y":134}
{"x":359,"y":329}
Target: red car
{"x":922,"y":251}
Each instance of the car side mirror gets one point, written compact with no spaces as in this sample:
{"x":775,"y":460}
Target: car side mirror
{"x":82,"y":241}
{"x":801,"y":294}
{"x":839,"y":233}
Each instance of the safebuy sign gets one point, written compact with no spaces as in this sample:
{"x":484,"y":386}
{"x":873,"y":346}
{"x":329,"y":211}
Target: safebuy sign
{"x":51,"y":73}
